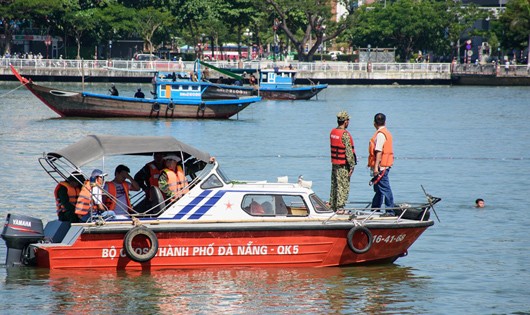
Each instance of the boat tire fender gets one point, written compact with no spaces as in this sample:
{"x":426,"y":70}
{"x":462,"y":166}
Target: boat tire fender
{"x":143,"y":256}
{"x":368,"y":234}
{"x":156,"y":107}
{"x":171,"y":106}
{"x":202,"y":106}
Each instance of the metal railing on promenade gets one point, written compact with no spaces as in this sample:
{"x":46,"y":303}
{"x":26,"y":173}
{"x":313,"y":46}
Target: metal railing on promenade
{"x":146,"y":68}
{"x":162,"y":65}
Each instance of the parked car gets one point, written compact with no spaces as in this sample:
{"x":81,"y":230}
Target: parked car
{"x":335,"y":53}
{"x":145,"y":57}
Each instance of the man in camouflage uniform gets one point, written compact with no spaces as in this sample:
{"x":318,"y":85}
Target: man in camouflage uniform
{"x":343,"y":161}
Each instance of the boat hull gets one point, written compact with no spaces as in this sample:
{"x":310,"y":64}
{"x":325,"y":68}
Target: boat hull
{"x":76,"y":104}
{"x":254,"y":246}
{"x":303,"y":93}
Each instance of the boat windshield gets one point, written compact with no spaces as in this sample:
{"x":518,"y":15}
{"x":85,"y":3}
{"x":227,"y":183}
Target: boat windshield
{"x":211,"y":167}
{"x":222,"y":175}
{"x":318,"y":204}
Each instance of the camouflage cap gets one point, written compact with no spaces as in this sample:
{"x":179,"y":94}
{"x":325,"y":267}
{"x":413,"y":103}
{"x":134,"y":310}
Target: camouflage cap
{"x":343,"y":115}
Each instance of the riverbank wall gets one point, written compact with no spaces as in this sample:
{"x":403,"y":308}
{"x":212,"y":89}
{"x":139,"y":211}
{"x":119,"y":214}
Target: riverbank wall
{"x":333,"y":73}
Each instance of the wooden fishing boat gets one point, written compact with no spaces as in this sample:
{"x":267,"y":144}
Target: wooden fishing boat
{"x":279,"y":84}
{"x":217,"y":222}
{"x":173,"y":99}
{"x":273,"y":84}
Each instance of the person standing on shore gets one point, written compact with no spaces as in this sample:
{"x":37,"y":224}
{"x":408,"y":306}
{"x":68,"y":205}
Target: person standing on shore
{"x":343,"y":161}
{"x":380,"y":160}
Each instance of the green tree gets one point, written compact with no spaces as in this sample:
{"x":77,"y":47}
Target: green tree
{"x":16,"y":13}
{"x":308,"y":22}
{"x":149,"y":20}
{"x":516,"y":22}
{"x":79,"y":22}
{"x":412,"y":25}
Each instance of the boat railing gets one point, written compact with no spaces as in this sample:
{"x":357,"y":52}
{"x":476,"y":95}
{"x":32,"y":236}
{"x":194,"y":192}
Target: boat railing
{"x":362,"y":212}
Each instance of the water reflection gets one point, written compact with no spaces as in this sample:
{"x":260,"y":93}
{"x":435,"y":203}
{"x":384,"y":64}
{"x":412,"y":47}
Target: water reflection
{"x":371,"y":290}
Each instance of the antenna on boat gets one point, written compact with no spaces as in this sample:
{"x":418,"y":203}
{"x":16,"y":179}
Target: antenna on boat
{"x":431,"y":200}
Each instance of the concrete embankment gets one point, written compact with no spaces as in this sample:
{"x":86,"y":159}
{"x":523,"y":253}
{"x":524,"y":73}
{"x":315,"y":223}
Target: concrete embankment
{"x":132,"y":71}
{"x":333,"y":73}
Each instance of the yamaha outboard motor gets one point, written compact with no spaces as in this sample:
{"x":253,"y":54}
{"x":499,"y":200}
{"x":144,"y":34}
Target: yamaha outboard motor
{"x":20,"y":231}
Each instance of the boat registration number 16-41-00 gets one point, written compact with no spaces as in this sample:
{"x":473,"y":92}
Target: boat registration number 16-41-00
{"x":389,"y":238}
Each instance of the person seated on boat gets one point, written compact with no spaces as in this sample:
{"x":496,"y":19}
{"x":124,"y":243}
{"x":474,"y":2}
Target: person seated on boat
{"x":256,"y":208}
{"x":172,"y":180}
{"x":193,"y":76}
{"x":252,"y":79}
{"x":238,"y":83}
{"x":66,"y":194}
{"x":221,"y":80}
{"x":148,"y":175}
{"x":90,"y":200}
{"x":267,"y":207}
{"x":118,"y":189}
{"x":113,"y":90}
{"x":139,"y":93}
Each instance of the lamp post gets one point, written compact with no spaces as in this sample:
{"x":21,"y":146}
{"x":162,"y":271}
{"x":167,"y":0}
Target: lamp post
{"x":369,"y":49}
{"x":248,"y":34}
{"x":275,"y":38}
{"x":110,"y":49}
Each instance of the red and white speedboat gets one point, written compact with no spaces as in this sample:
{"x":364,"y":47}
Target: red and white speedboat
{"x":218,"y":223}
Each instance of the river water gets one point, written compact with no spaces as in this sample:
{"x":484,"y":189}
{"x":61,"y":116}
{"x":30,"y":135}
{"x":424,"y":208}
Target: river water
{"x":460,"y":143}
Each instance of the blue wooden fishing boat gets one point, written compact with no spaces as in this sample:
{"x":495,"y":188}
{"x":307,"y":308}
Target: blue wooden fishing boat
{"x":279,"y":84}
{"x":173,"y":98}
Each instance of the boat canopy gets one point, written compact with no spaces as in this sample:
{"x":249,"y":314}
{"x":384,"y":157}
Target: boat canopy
{"x":94,"y":147}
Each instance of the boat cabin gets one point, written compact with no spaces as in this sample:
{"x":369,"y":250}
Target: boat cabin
{"x":177,"y":86}
{"x":277,"y":78}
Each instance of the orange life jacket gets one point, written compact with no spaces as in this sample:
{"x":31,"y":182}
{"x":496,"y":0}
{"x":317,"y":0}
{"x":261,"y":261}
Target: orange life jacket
{"x":110,"y":203}
{"x":154,"y":173}
{"x":73,"y":193}
{"x":177,"y":182}
{"x":84,"y":201}
{"x":338,"y":149}
{"x":387,"y":158}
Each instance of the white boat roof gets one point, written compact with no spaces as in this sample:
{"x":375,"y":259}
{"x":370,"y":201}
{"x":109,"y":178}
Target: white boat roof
{"x":94,"y":147}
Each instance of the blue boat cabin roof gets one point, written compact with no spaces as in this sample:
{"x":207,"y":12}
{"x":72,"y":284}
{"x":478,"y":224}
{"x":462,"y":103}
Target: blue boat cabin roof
{"x":277,"y":77}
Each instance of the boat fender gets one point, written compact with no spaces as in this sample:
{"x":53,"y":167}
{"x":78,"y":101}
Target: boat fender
{"x":202,"y":107}
{"x":156,"y":107}
{"x":313,"y":89}
{"x":171,"y":106}
{"x":152,"y":240}
{"x":368,"y":234}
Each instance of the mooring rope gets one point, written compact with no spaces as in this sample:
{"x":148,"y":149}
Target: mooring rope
{"x":13,"y":90}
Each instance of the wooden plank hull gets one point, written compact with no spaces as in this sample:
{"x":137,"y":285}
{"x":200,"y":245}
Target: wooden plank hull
{"x":290,"y":94}
{"x":77,"y":104}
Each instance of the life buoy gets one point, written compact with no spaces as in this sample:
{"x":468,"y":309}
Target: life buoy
{"x":368,"y":234}
{"x":150,"y":240}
